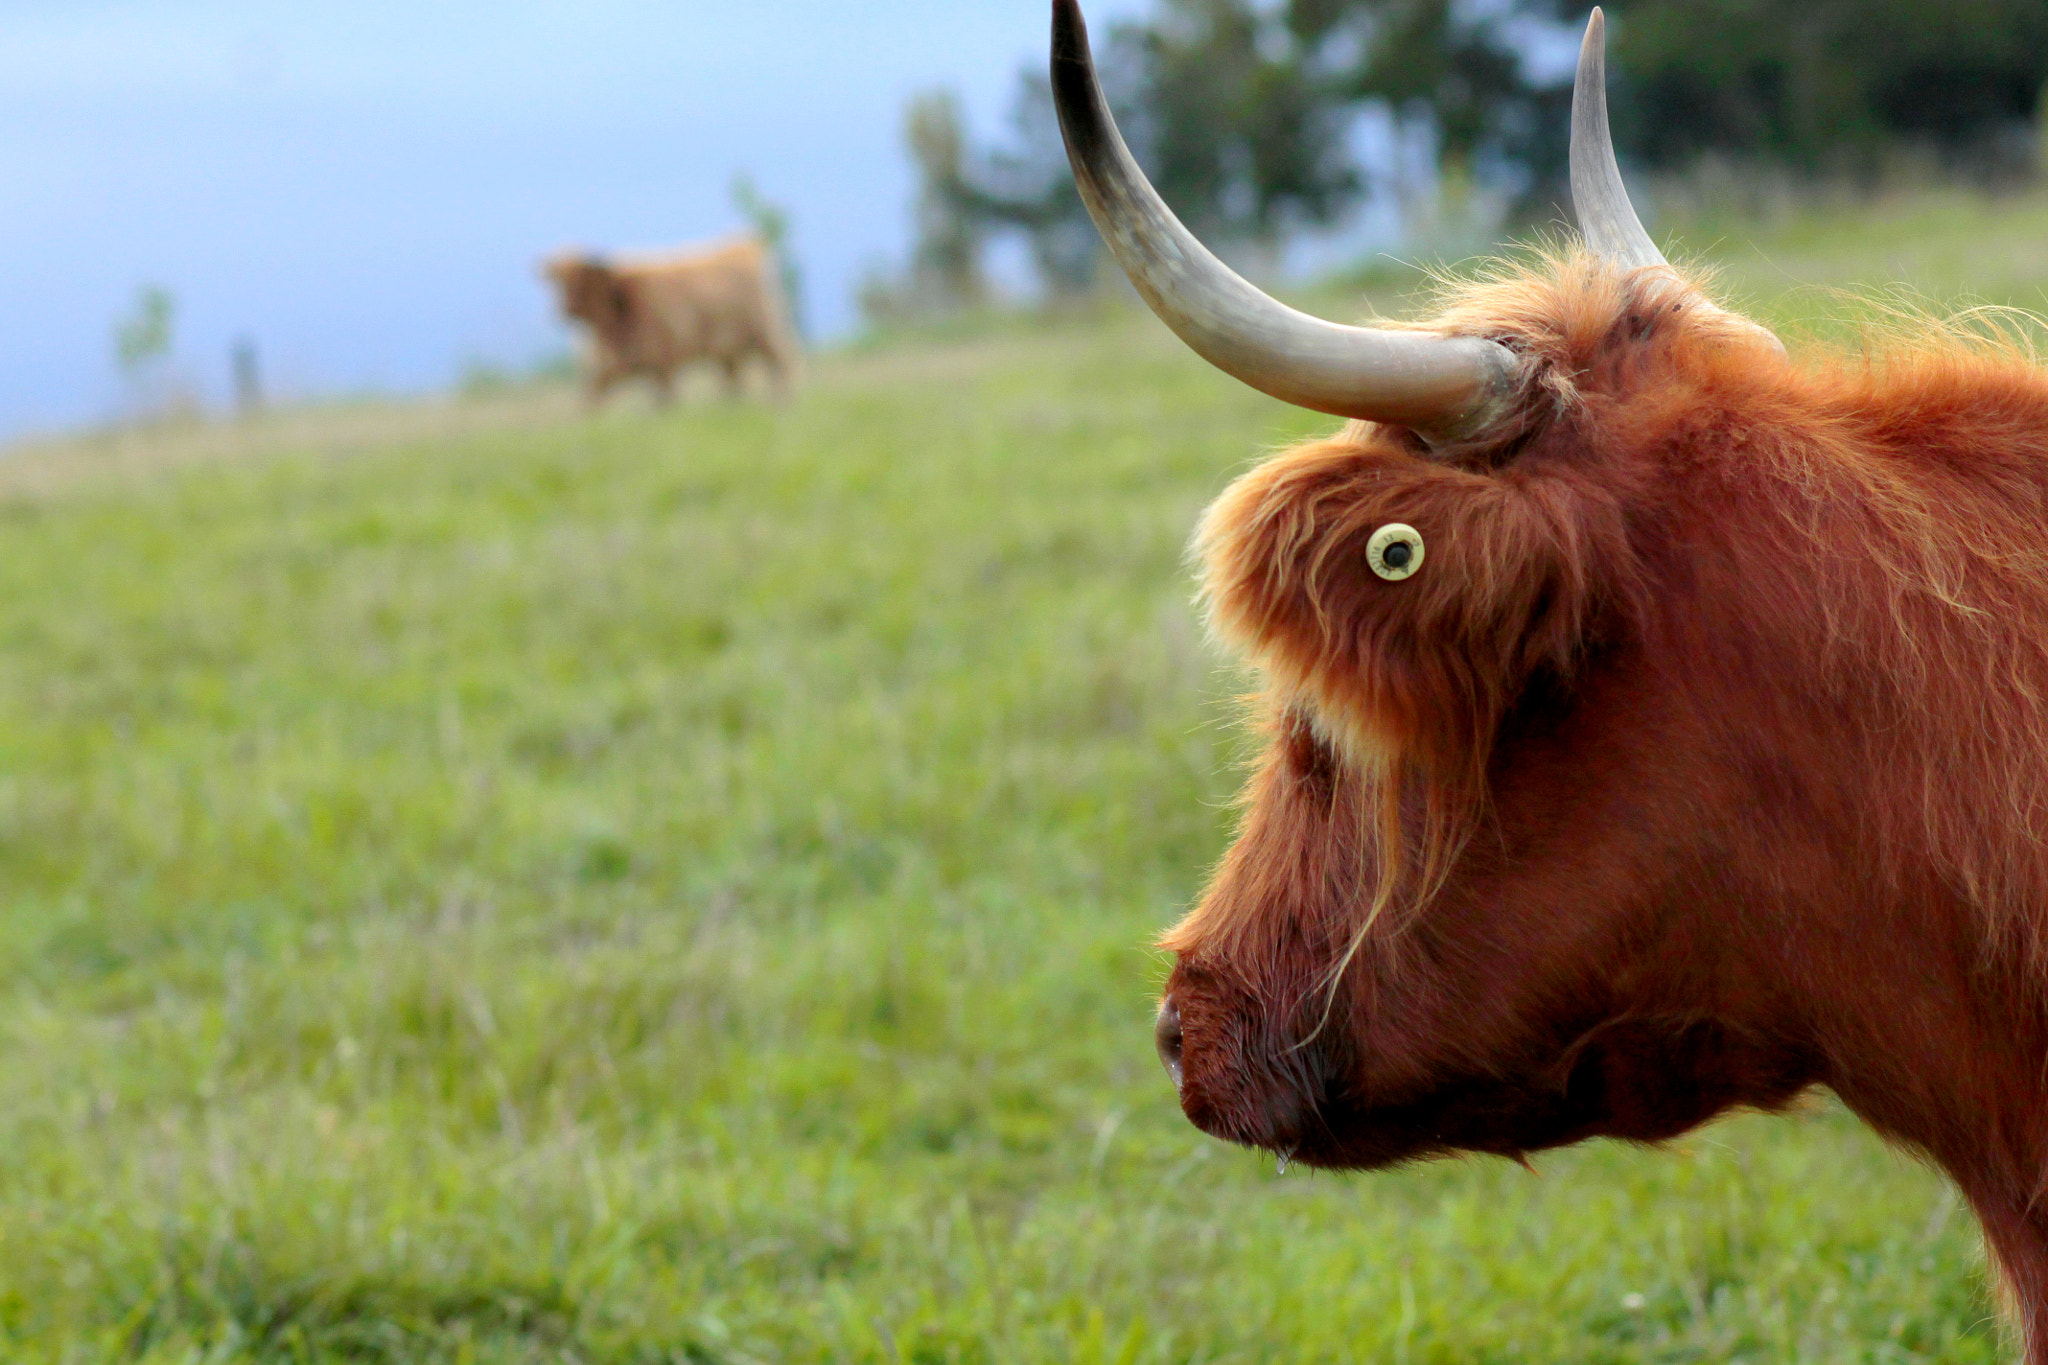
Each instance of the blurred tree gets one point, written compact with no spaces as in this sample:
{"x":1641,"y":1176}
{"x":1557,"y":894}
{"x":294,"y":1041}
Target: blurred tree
{"x":1239,"y":108}
{"x":770,"y":222}
{"x":1462,"y":65}
{"x":144,"y":337}
{"x":142,"y":349}
{"x":944,"y":275}
{"x":1234,"y":130}
{"x":1028,"y":187}
{"x":945,"y":263}
{"x":1238,"y":129}
{"x":964,"y":198}
{"x":1826,"y":85}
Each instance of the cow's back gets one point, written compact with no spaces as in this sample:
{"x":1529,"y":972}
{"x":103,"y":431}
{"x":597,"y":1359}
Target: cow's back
{"x":717,"y":303}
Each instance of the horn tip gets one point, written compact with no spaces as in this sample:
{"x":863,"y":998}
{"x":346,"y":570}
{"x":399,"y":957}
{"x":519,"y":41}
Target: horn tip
{"x":1593,"y":48}
{"x":1069,"y":31}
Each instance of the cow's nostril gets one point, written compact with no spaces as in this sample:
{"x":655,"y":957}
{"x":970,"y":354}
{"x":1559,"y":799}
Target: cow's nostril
{"x":1166,"y":1034}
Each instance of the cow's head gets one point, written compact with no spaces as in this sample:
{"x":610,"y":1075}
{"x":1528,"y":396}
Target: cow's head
{"x":1464,"y":907}
{"x":588,"y":289}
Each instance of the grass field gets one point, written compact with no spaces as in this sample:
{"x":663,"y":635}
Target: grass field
{"x":486,"y":885}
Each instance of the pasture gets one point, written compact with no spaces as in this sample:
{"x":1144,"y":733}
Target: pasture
{"x":485,"y":884}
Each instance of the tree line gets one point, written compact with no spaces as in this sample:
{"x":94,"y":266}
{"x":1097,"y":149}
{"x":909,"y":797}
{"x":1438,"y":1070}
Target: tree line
{"x":1242,"y":111}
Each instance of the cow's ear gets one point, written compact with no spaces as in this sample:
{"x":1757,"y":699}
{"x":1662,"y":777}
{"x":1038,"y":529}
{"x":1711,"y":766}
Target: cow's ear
{"x":1501,"y":577}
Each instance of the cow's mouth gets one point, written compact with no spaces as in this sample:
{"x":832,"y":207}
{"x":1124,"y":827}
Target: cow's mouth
{"x":1307,"y":1099}
{"x":1637,"y":1080}
{"x":1254,"y":1093}
{"x":1321,"y":1127}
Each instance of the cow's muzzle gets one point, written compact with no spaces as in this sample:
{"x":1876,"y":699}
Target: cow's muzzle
{"x":1232,"y":1082}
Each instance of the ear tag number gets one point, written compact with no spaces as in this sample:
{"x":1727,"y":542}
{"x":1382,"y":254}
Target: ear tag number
{"x":1395,"y":551}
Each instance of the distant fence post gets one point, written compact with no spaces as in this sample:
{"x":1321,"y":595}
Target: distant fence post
{"x":248,"y":379}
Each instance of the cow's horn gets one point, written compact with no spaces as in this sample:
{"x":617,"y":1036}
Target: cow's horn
{"x":1443,"y":387}
{"x":1606,"y":218}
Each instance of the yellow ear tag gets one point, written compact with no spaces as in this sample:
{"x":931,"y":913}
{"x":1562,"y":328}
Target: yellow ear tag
{"x":1395,"y":551}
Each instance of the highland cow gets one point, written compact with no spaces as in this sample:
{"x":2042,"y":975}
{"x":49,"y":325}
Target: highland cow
{"x":1655,"y":723}
{"x":651,"y":316}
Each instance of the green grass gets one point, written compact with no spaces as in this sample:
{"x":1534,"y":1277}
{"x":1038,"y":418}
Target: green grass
{"x":1941,"y":247}
{"x":508,"y":887}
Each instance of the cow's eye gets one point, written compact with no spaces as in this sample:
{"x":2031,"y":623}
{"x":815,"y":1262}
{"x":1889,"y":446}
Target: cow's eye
{"x":1395,"y":551}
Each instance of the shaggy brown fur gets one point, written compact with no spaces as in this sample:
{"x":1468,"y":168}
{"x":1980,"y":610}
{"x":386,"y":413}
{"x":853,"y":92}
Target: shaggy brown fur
{"x":1705,"y":759}
{"x":653,"y":315}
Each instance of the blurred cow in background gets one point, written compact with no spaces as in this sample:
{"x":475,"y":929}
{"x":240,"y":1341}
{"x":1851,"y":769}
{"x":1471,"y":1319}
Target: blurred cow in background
{"x":652,"y":315}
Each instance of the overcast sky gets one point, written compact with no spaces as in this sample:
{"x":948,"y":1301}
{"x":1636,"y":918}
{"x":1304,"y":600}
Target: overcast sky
{"x":363,"y":187}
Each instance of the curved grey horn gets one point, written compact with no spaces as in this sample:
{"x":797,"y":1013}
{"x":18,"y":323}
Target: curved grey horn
{"x":1606,"y":218}
{"x":1445,"y":388}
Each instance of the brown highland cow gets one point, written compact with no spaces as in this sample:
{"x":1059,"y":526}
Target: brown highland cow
{"x":1655,"y":723}
{"x":651,"y":316}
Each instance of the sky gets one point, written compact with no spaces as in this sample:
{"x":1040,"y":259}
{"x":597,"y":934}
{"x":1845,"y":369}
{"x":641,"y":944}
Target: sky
{"x":362,"y":189}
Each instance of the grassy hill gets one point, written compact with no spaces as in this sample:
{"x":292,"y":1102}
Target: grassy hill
{"x":482,"y":884}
